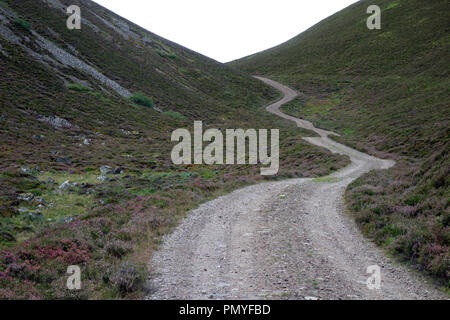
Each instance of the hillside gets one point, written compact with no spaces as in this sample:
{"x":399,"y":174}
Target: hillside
{"x":86,"y":118}
{"x":386,"y":92}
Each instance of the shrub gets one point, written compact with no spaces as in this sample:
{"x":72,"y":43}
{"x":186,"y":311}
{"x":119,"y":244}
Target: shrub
{"x":129,"y":277}
{"x":172,"y":55}
{"x":141,"y":99}
{"x":124,"y":235}
{"x":78,"y":87}
{"x":174,"y":114}
{"x":160,"y":53}
{"x":22,"y":23}
{"x":118,"y":248}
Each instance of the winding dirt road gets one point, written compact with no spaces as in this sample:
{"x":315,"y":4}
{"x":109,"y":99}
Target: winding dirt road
{"x":281,"y":240}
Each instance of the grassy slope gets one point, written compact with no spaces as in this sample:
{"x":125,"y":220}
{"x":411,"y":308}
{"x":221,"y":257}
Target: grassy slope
{"x":110,"y":228}
{"x":386,"y":91}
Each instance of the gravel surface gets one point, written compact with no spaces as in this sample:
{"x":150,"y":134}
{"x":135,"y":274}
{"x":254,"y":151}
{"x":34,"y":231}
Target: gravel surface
{"x":282,"y":240}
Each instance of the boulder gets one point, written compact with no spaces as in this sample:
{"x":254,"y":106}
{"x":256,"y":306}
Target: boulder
{"x":50,"y":180}
{"x":26,"y":197}
{"x":106,"y":170}
{"x":118,"y":170}
{"x":66,"y":160}
{"x":102,"y":178}
{"x":65,"y":185}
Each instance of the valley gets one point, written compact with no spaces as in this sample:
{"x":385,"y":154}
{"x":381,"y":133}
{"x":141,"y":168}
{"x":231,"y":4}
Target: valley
{"x":87,"y":176}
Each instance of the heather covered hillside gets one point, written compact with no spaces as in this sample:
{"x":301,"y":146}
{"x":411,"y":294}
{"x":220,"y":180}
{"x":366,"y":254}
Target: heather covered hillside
{"x":387,"y":93}
{"x":86,"y":118}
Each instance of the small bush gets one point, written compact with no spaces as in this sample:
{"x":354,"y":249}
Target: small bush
{"x":118,"y":248}
{"x":171,"y":55}
{"x":141,"y":99}
{"x":174,"y":114}
{"x":78,"y":87}
{"x":160,"y":53}
{"x":22,"y":23}
{"x":128,"y":278}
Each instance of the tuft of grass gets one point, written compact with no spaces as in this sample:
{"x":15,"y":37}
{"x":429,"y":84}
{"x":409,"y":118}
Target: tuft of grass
{"x":163,"y":54}
{"x":142,"y":100}
{"x":171,"y":55}
{"x":392,"y":5}
{"x":160,"y":53}
{"x":22,"y":23}
{"x":77,"y":87}
{"x":70,"y":204}
{"x":128,"y":277}
{"x":174,"y":114}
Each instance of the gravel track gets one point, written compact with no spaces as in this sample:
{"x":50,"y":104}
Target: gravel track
{"x":281,"y":240}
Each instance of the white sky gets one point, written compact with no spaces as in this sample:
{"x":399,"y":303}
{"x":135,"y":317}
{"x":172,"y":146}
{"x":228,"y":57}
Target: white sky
{"x":226,"y":30}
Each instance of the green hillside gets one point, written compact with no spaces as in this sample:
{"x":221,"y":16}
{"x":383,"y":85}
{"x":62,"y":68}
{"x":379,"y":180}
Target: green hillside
{"x":387,"y":93}
{"x":110,"y":94}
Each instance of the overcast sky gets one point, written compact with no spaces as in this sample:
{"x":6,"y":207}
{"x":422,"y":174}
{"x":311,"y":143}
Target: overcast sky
{"x":226,"y":30}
